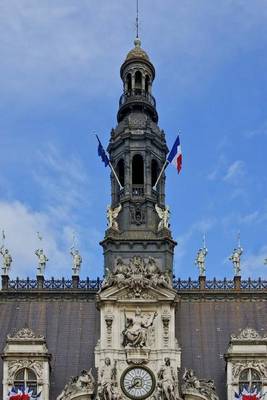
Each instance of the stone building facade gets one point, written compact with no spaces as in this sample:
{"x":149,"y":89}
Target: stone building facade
{"x":138,"y":334}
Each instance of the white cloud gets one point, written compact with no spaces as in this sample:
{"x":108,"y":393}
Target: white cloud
{"x":235,"y":172}
{"x":20,"y":225}
{"x":253,"y":264}
{"x":260,"y":130}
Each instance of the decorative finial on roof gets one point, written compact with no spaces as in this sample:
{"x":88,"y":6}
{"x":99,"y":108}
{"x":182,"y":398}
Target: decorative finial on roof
{"x":137,"y":19}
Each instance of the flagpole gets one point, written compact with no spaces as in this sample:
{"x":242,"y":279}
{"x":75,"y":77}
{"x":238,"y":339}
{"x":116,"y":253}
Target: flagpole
{"x":161,"y":172}
{"x":116,"y":176}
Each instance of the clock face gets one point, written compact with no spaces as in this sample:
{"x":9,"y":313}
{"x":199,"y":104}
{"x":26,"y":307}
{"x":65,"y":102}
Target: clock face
{"x":138,"y":383}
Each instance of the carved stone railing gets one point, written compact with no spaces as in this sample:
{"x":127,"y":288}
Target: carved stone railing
{"x":94,"y":285}
{"x":137,"y":95}
{"x":138,"y":190}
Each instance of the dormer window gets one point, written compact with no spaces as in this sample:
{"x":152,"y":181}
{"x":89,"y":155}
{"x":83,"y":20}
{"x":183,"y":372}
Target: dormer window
{"x":250,"y":380}
{"x":26,"y":378}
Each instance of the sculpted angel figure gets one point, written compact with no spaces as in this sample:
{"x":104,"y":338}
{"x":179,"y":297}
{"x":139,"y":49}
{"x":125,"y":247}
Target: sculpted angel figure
{"x":200,"y":260}
{"x":76,"y":261}
{"x":167,"y":382}
{"x":7,"y":260}
{"x":112,"y":215}
{"x":235,"y":258}
{"x":42,"y":261}
{"x":135,"y":332}
{"x":164,"y":216}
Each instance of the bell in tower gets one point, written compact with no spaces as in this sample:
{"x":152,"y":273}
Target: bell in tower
{"x":138,"y":217}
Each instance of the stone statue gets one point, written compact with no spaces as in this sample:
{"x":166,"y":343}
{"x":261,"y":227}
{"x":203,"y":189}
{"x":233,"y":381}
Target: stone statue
{"x":76,"y":261}
{"x":200,"y":260}
{"x":107,"y":389}
{"x":83,"y":384}
{"x":42,"y":261}
{"x":112,"y":215}
{"x":7,"y":260}
{"x":191,"y":384}
{"x":167,"y":382}
{"x":164,"y":216}
{"x":136,"y":329}
{"x":235,"y":258}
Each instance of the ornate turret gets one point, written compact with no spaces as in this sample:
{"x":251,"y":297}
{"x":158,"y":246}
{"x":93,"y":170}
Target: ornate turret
{"x":137,"y":217}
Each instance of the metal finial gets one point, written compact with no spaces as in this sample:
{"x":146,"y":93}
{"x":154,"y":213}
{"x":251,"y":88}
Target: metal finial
{"x":3,"y":237}
{"x":137,"y":18}
{"x":238,"y":239}
{"x":39,"y":236}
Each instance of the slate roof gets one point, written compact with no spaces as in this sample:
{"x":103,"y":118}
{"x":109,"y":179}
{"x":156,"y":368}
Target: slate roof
{"x":70,"y":324}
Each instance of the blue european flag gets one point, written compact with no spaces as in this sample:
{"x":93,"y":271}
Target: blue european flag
{"x":102,"y":153}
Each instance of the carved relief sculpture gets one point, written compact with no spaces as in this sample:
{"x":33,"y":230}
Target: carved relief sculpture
{"x":83,"y":384}
{"x":167,"y":382}
{"x":112,"y":215}
{"x":136,"y":329}
{"x":192,"y":385}
{"x":107,"y":387}
{"x":164,"y":216}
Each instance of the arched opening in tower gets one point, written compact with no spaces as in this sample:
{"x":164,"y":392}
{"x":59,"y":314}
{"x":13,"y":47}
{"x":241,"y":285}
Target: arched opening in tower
{"x":154,"y":172}
{"x":138,"y":82}
{"x":120,"y":171}
{"x":138,"y":176}
{"x":147,"y":84}
{"x":129,"y":83}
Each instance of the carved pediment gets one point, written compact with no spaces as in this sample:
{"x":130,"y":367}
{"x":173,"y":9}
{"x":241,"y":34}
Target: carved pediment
{"x":127,"y":293}
{"x":248,"y":334}
{"x":24,"y":334}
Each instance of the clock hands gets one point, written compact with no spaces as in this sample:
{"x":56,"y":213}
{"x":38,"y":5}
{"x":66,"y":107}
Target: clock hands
{"x":137,"y":382}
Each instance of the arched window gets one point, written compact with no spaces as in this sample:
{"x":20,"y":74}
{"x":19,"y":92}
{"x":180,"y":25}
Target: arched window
{"x":147,"y":84}
{"x":120,"y":171}
{"x":26,"y":378}
{"x":154,"y":172}
{"x":138,"y":82}
{"x":138,"y":170}
{"x":250,"y":380}
{"x":129,"y":83}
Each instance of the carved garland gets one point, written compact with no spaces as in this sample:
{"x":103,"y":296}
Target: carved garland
{"x":15,"y":366}
{"x":259,"y":366}
{"x":248,"y":334}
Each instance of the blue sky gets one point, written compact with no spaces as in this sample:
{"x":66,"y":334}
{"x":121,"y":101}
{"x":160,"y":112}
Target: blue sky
{"x":59,"y":79}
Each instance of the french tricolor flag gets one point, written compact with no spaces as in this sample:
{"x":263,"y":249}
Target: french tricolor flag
{"x":175,"y":156}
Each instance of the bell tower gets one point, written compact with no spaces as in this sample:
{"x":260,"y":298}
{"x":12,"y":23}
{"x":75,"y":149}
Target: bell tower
{"x":137,"y":356}
{"x":137,"y":148}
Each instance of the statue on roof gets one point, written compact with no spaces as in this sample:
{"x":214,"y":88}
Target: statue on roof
{"x":236,"y":260}
{"x":42,"y":260}
{"x":112,"y":215}
{"x":265,"y":261}
{"x":201,"y":258}
{"x":7,"y":260}
{"x":76,"y":261}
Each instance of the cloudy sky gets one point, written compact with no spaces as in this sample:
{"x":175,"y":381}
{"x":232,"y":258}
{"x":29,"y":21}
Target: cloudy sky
{"x":59,"y":80}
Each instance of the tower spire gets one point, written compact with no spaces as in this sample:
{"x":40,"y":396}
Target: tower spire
{"x":137,"y":18}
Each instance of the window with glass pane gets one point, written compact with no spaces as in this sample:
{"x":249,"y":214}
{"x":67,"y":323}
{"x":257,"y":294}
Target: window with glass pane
{"x":250,"y":380}
{"x":26,"y":378}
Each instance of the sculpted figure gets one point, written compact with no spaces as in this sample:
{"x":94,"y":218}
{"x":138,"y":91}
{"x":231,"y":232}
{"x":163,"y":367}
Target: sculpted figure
{"x":164,"y":216}
{"x":76,"y":261}
{"x":167,"y":382}
{"x":135,"y":332}
{"x":42,"y":261}
{"x":107,"y":383}
{"x":112,"y":214}
{"x":202,"y":386}
{"x":235,"y":258}
{"x":7,"y":260}
{"x":200,"y":260}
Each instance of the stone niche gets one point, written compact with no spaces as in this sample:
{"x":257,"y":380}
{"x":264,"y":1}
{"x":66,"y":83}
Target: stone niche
{"x":247,"y":351}
{"x":26,"y":351}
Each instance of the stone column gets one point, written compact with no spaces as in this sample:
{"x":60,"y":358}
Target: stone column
{"x":237,"y":282}
{"x":75,"y":281}
{"x":40,"y":281}
{"x":202,"y":282}
{"x":5,"y":282}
